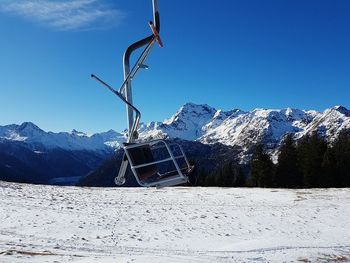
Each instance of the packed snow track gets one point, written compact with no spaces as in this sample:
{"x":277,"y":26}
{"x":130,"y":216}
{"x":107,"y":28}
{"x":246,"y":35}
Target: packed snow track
{"x":71,"y":224}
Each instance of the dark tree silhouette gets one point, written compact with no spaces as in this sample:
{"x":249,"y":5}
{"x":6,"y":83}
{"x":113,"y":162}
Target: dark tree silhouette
{"x":311,"y":150}
{"x":336,"y":162}
{"x":287,"y":171}
{"x":261,"y":168}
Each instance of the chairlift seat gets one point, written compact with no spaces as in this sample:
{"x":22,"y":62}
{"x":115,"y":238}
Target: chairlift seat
{"x":141,"y":155}
{"x":146,"y":168}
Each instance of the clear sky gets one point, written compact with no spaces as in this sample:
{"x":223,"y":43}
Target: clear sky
{"x":229,"y":54}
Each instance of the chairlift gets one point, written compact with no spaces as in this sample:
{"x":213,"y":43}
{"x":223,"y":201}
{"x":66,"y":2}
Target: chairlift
{"x":158,"y":162}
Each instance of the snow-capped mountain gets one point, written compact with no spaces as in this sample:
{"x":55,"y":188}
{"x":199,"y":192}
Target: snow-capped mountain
{"x":187,"y":123}
{"x":259,"y":125}
{"x":329,"y":123}
{"x":239,"y":128}
{"x":34,"y":137}
{"x":199,"y":123}
{"x":29,"y":154}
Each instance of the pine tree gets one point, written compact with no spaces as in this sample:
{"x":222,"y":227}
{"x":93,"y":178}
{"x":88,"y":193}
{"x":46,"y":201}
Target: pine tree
{"x":210,"y":180}
{"x":287,"y":172}
{"x":341,"y":153}
{"x":239,"y":176}
{"x":201,"y":178}
{"x":311,"y":152}
{"x":227,"y":175}
{"x":262,"y":168}
{"x":218,"y":177}
{"x":330,"y":175}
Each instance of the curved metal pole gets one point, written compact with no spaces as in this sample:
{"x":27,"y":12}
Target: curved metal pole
{"x":120,"y":96}
{"x":139,"y":64}
{"x":127,"y":90}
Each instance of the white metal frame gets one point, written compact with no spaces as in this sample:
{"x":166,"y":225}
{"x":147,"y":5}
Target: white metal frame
{"x":179,"y":178}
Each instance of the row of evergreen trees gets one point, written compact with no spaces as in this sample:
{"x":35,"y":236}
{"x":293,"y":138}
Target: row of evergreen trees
{"x":230,"y":175}
{"x":311,"y":162}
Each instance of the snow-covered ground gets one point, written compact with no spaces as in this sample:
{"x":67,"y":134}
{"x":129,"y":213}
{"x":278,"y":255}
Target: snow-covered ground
{"x":70,"y":224}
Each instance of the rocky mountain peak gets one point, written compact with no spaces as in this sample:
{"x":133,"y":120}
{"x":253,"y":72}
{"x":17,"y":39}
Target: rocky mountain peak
{"x":200,"y":123}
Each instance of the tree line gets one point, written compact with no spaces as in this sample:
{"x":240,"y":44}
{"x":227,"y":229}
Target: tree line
{"x":310,"y":162}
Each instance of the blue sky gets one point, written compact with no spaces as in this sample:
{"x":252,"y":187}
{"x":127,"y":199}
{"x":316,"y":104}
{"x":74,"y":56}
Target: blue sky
{"x":229,"y":54}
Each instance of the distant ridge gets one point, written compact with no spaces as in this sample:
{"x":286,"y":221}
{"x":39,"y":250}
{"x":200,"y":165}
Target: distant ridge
{"x":201,"y":123}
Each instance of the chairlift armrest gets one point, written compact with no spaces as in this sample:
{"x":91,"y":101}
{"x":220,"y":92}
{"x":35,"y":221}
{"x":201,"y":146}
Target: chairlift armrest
{"x":183,"y":154}
{"x":151,"y":163}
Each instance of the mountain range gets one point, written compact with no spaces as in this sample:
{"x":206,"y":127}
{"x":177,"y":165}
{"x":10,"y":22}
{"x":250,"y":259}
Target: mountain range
{"x":26,"y":147}
{"x":246,"y":128}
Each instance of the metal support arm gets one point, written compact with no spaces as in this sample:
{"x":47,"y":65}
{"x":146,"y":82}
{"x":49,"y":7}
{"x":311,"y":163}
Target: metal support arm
{"x":138,"y":113}
{"x":126,"y":62}
{"x":125,"y":91}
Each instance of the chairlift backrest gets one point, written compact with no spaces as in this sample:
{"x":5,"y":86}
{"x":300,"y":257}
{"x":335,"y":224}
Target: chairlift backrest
{"x":142,"y":155}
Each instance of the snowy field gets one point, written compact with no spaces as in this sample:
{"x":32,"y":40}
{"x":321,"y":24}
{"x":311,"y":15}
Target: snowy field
{"x":69,"y":224}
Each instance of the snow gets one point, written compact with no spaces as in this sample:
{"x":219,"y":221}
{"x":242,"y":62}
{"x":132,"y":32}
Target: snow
{"x":330,"y":123}
{"x":238,"y":128}
{"x":266,"y":125}
{"x":32,"y":135}
{"x":199,"y":123}
{"x":71,"y":224}
{"x":189,"y":121}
